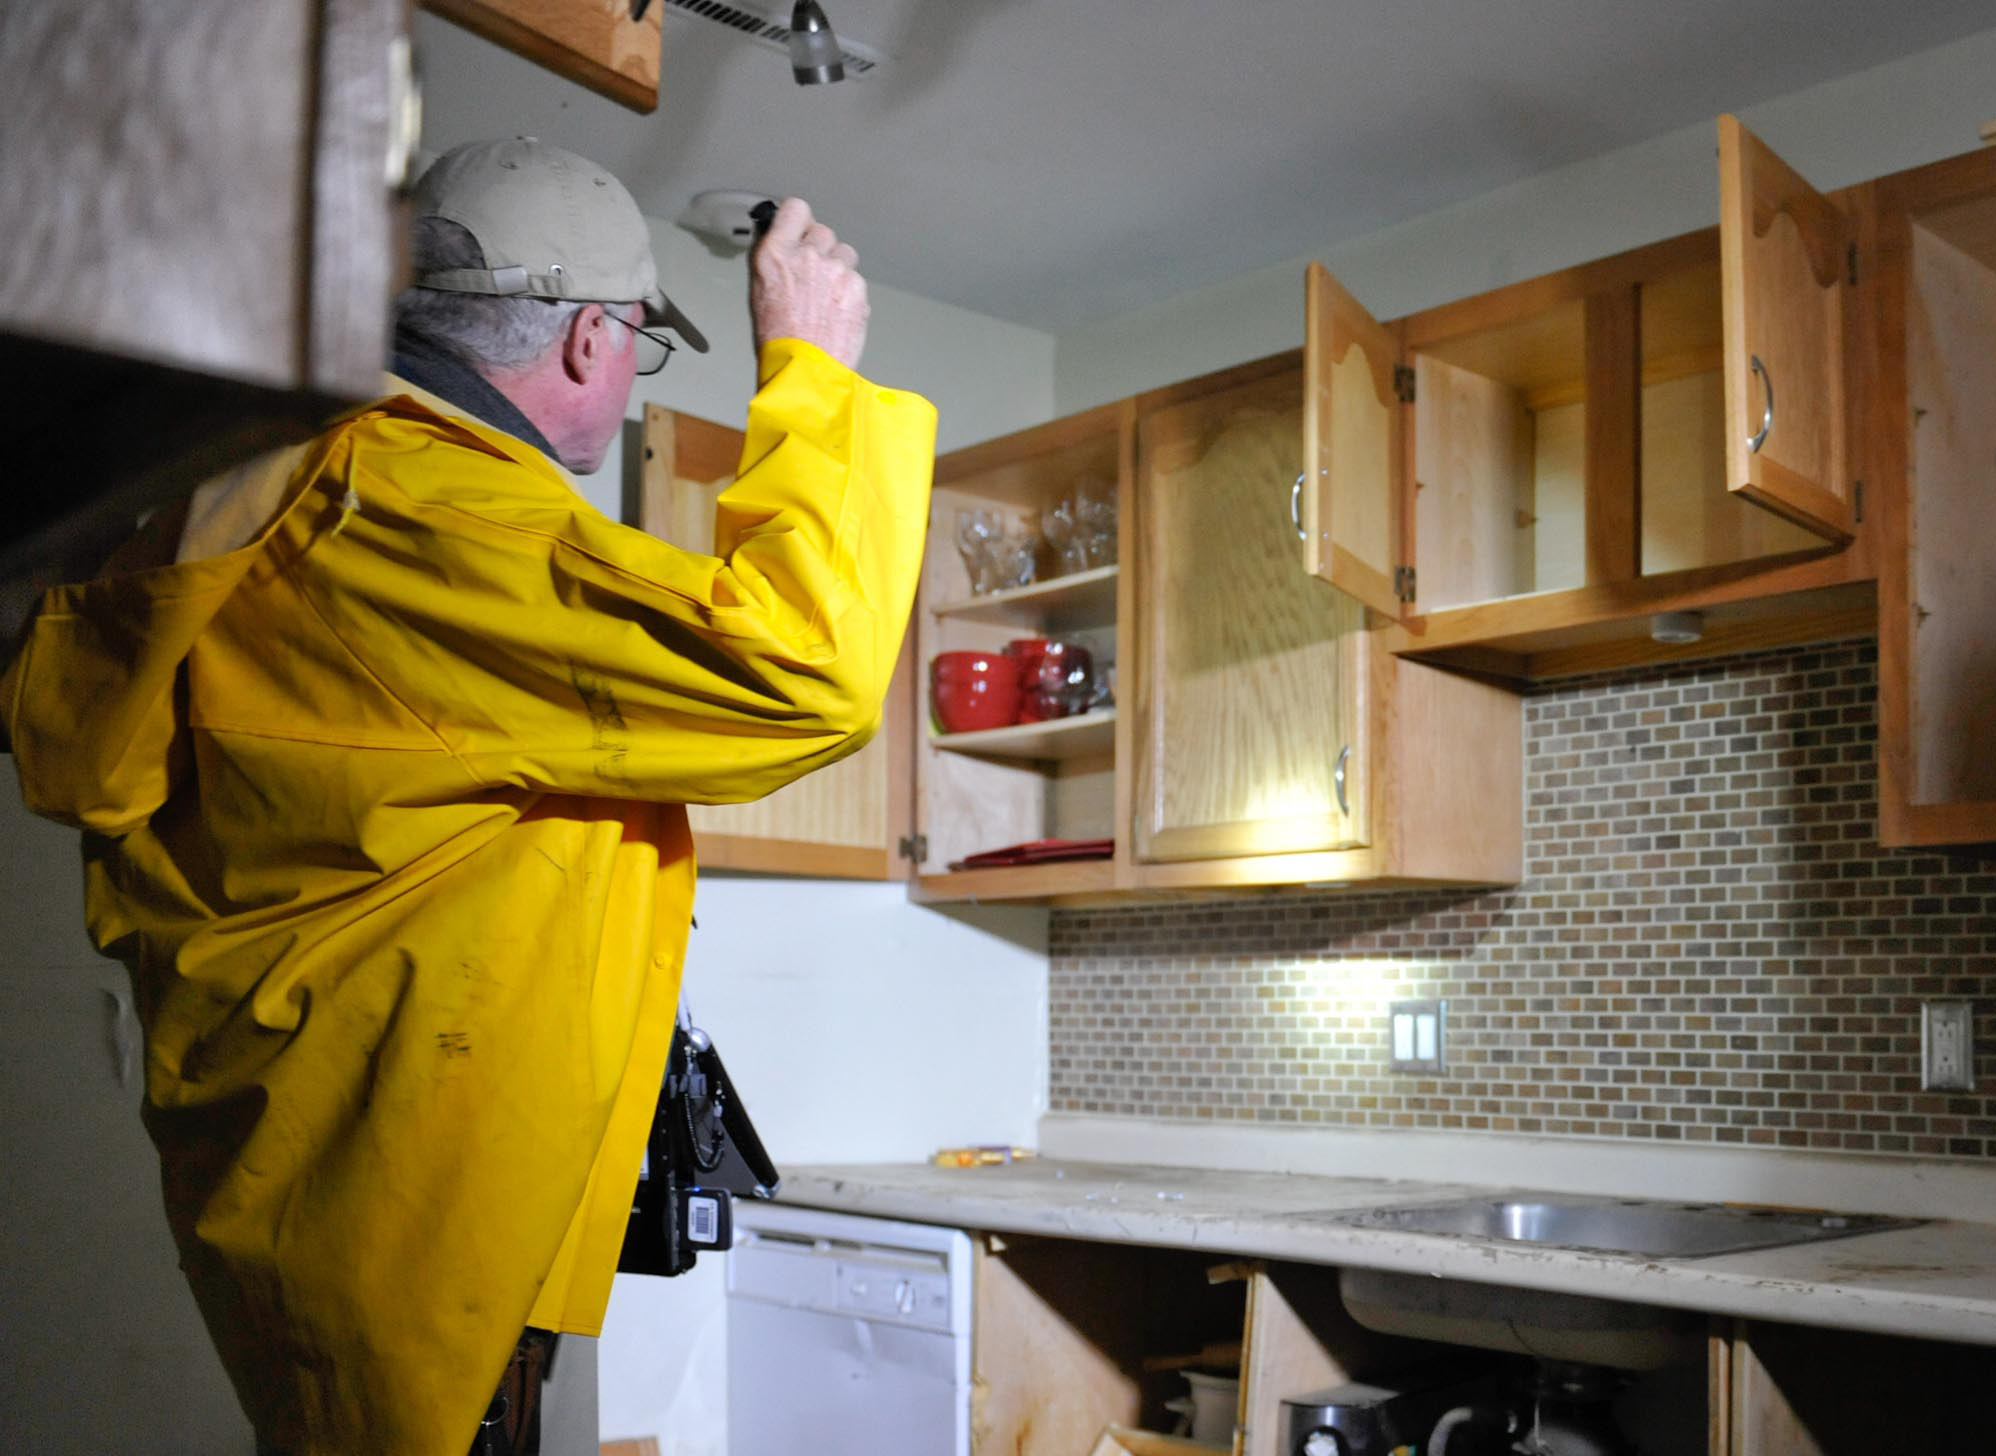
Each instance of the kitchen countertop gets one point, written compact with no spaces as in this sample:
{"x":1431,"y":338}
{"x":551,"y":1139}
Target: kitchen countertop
{"x":1934,"y":1281}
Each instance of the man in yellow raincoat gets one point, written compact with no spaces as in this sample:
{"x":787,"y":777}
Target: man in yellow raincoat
{"x":380,"y":748}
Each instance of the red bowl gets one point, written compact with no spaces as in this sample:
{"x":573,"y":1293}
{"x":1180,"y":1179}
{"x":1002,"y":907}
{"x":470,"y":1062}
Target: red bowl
{"x":973,"y":690}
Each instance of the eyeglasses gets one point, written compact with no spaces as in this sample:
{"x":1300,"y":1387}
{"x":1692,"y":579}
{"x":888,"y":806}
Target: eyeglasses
{"x":654,"y":349}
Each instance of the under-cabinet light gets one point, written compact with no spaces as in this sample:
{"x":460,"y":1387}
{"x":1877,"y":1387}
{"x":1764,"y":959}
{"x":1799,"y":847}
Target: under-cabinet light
{"x":1677,"y":627}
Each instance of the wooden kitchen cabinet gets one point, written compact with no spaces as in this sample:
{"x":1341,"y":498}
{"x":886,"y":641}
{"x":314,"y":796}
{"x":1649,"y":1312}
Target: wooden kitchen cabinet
{"x":610,"y":46}
{"x":1257,"y":737}
{"x":1521,"y":480}
{"x":1273,"y":743}
{"x":1252,"y":708}
{"x":843,"y":821}
{"x":1785,"y":1390}
{"x":199,"y":213}
{"x":1060,"y":779}
{"x":1929,"y":425}
{"x":1073,"y":1337}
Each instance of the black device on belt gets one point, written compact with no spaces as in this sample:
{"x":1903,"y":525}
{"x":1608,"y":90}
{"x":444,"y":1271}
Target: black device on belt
{"x":701,"y":1154}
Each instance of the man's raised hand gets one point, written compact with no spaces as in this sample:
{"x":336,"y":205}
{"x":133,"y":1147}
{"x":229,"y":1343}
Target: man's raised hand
{"x":804,"y":284}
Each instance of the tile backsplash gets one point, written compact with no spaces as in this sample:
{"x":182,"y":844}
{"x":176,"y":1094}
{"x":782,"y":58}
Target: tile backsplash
{"x":1709,"y":945}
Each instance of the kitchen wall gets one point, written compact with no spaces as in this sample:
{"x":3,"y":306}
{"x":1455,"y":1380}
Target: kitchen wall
{"x":846,"y":1015}
{"x":1709,"y":947}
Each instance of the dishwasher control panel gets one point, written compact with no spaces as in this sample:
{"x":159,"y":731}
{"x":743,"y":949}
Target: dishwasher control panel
{"x":906,"y":1296}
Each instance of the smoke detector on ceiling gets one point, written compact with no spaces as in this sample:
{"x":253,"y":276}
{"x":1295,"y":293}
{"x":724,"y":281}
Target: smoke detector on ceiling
{"x":723,"y":217}
{"x":754,"y":22}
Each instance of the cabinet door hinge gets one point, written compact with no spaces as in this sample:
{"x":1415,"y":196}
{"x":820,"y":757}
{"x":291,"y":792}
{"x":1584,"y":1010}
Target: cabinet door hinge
{"x":1404,"y":583}
{"x":1857,"y":500}
{"x":913,"y":847}
{"x":1403,"y":383}
{"x":1850,"y":258}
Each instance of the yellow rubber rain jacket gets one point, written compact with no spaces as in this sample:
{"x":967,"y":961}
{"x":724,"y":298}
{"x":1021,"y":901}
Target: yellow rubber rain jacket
{"x":383,"y":811}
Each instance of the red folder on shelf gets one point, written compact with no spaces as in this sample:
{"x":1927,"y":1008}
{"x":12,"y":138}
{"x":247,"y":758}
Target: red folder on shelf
{"x":1038,"y":851}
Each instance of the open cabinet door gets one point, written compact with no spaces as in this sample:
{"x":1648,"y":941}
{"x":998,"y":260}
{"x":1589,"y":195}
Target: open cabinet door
{"x":611,"y":48}
{"x":843,"y":821}
{"x":1354,"y":461}
{"x":1785,"y":264}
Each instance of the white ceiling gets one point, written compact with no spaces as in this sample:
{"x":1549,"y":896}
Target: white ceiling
{"x":1055,"y":161}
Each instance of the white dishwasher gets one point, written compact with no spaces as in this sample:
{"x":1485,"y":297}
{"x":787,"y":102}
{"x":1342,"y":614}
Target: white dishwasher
{"x":847,"y":1336}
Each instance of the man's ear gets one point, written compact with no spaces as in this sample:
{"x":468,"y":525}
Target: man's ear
{"x":585,"y":343}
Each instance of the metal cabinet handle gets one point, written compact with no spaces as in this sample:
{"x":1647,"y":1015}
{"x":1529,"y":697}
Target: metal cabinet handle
{"x":1296,"y":508}
{"x":1338,"y":778}
{"x":1754,"y":442}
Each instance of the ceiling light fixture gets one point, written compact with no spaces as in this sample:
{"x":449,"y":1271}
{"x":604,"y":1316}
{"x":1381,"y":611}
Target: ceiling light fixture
{"x":814,"y":50}
{"x":763,"y":23}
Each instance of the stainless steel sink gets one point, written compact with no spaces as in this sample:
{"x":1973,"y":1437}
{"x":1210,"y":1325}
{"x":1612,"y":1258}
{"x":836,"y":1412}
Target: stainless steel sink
{"x":1642,"y":1227}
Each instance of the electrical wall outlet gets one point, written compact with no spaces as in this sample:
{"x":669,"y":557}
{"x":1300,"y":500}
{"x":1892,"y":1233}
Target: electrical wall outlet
{"x":1414,"y":1030}
{"x":1947,"y":1046}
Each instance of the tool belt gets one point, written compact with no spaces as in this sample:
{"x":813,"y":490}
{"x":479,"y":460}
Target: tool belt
{"x":512,"y":1423}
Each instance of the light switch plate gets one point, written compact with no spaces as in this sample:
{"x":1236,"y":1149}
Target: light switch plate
{"x":1414,"y":1036}
{"x":1947,"y":1046}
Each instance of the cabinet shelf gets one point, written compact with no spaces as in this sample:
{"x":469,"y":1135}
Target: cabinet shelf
{"x":1059,"y":604}
{"x":1042,"y":883}
{"x":1087,"y":735}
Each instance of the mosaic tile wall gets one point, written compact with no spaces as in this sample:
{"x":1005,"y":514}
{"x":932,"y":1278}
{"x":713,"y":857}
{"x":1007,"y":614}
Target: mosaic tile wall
{"x":1709,"y":946}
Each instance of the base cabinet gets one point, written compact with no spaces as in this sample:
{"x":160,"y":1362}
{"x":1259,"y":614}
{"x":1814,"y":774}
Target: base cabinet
{"x":1784,"y":1390}
{"x":1073,"y":1338}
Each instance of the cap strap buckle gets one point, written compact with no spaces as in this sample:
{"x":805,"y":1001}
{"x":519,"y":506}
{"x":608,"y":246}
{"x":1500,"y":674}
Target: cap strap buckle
{"x":505,"y":282}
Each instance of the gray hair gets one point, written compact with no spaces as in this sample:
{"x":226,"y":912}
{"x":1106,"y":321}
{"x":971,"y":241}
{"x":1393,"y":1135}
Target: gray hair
{"x":486,"y":332}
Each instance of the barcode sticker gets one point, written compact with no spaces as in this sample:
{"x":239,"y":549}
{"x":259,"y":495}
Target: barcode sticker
{"x":702,"y":1220}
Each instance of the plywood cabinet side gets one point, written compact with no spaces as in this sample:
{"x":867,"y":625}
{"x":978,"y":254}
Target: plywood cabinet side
{"x":1612,"y":465}
{"x":1454,"y":776}
{"x":135,"y":135}
{"x":845,"y":820}
{"x":200,"y":223}
{"x":1298,"y":1340}
{"x":177,"y":192}
{"x":594,"y":43}
{"x":1040,"y":1384}
{"x":1928,"y":431}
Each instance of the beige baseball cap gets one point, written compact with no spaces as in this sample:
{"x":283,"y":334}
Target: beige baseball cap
{"x":551,"y":225}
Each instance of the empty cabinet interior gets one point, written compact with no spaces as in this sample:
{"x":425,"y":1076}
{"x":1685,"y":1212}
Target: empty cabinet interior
{"x":1499,"y":469}
{"x":1951,"y":403}
{"x":1689,"y":518}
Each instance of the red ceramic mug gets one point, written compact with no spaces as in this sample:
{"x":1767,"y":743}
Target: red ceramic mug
{"x":974,"y":690}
